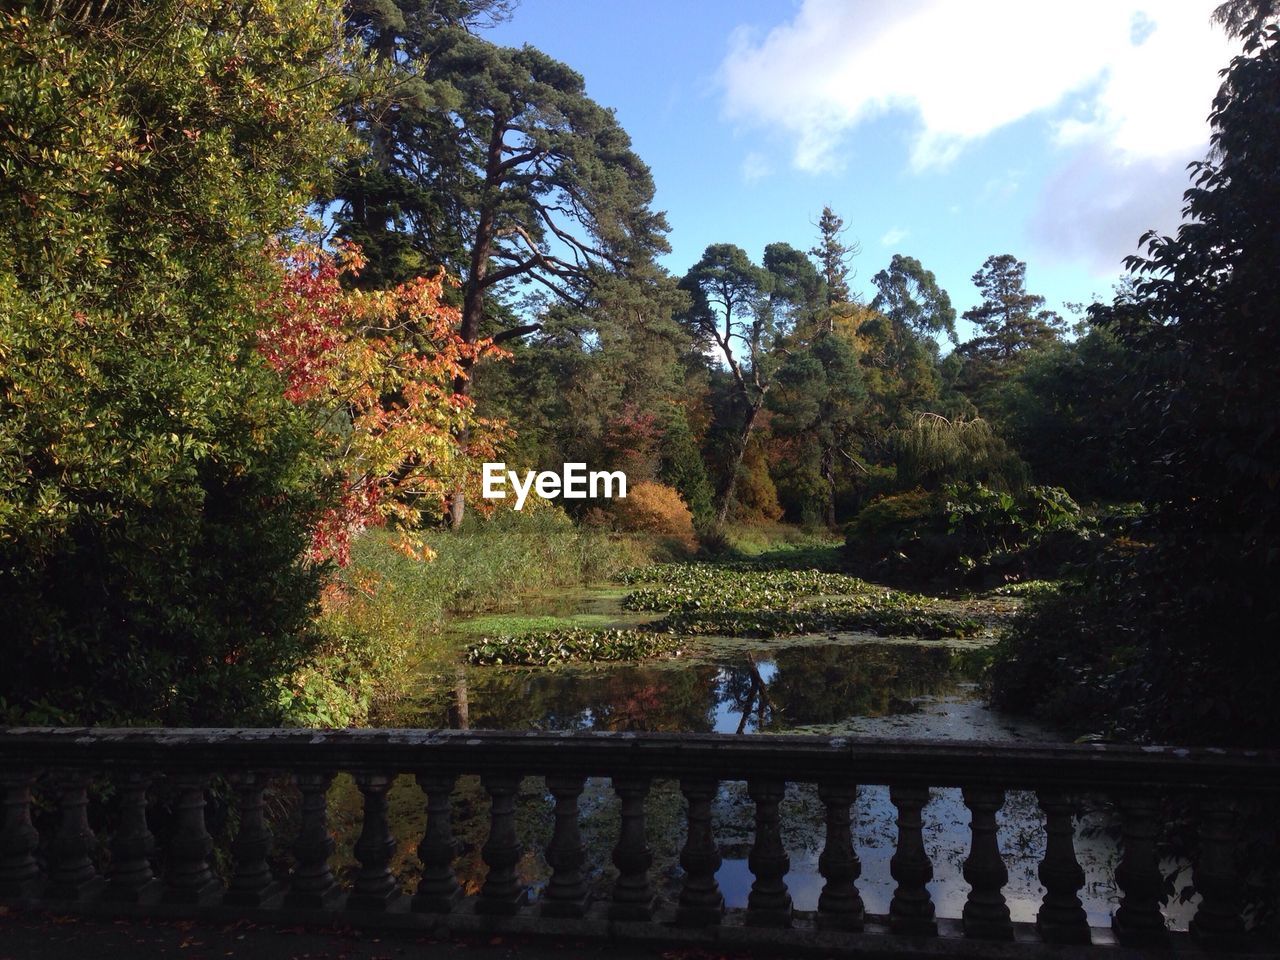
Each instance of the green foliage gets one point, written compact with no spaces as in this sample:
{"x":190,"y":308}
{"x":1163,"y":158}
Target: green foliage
{"x":969,"y":529}
{"x":567,"y":646}
{"x":484,"y":566}
{"x":819,"y":405}
{"x":734,"y":599}
{"x":703,"y":586}
{"x":935,"y":451}
{"x":1069,"y":655}
{"x":1200,"y":323}
{"x":1066,"y":412}
{"x":156,"y":489}
{"x":910,"y":297}
{"x":1013,"y":324}
{"x":867,"y":616}
{"x":682,"y":467}
{"x":388,"y":615}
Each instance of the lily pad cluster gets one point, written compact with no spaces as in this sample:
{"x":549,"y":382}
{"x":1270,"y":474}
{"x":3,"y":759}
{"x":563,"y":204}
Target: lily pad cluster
{"x":732,"y":600}
{"x":920,"y":622}
{"x":671,"y":587}
{"x":544,"y":648}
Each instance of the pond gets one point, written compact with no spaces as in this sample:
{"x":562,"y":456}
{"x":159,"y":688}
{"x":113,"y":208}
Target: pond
{"x":821,"y":684}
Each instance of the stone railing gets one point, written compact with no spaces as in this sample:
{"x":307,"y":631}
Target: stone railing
{"x":141,"y":876}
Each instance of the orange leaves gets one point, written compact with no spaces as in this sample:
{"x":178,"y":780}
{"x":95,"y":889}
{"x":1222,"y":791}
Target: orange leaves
{"x":378,"y":370}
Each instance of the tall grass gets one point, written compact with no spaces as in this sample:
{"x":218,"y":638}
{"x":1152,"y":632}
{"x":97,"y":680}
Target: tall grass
{"x":386,"y":614}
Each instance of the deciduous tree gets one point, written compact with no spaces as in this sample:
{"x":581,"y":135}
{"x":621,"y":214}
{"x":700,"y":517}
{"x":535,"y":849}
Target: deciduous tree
{"x":157,"y":490}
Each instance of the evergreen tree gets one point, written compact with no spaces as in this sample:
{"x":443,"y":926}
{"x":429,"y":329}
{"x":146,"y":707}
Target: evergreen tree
{"x":495,"y":163}
{"x":819,"y":406}
{"x":1011,"y":324}
{"x":730,"y":315}
{"x":833,"y":256}
{"x":682,"y":466}
{"x":400,"y":199}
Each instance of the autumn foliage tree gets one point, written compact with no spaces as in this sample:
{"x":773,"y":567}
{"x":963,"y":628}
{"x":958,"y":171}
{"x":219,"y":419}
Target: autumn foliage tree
{"x":376,"y":369}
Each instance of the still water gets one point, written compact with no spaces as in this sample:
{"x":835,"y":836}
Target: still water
{"x":841,"y":685}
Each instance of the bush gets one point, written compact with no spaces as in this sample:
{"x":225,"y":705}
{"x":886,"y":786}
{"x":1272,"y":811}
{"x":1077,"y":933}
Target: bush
{"x":157,"y":490}
{"x":755,"y":497}
{"x":657,"y":510}
{"x":968,"y":529}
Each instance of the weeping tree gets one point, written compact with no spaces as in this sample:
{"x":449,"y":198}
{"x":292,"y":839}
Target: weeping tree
{"x":934,"y":451}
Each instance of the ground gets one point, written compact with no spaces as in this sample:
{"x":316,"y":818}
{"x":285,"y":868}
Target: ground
{"x":45,"y":937}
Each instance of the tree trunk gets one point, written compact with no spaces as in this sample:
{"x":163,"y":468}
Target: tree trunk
{"x":730,"y":481}
{"x":829,"y":475}
{"x":473,"y":290}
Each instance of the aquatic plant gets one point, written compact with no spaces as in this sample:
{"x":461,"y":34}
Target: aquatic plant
{"x":545,"y":648}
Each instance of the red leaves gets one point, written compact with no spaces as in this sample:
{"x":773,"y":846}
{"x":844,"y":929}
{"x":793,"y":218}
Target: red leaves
{"x":378,"y":368}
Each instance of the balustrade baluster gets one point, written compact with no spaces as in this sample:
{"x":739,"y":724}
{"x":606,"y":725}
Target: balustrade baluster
{"x":911,"y":910}
{"x":986,"y":915}
{"x":502,"y":892}
{"x":1138,"y":921}
{"x":1217,"y":923}
{"x":769,"y":902}
{"x":438,"y":889}
{"x":701,"y":902}
{"x":566,"y":892}
{"x":1061,"y":918}
{"x":252,"y":883}
{"x":71,"y":872}
{"x":839,"y":904}
{"x":131,"y":879}
{"x":311,"y":885}
{"x":375,"y":886}
{"x":188,"y":878}
{"x":19,"y":839}
{"x":632,"y":896}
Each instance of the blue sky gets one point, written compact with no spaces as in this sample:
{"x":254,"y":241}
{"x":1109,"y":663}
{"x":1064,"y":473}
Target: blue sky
{"x":940,"y":129}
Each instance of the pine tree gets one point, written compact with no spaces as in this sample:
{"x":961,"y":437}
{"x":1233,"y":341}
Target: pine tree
{"x":833,"y":255}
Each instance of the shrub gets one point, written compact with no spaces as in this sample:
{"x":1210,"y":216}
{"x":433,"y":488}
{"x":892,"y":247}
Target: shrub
{"x":156,"y":488}
{"x":970,"y":529}
{"x":657,"y":510}
{"x":755,"y":496}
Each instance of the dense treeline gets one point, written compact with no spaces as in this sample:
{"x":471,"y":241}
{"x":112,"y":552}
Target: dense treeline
{"x":207,"y":396}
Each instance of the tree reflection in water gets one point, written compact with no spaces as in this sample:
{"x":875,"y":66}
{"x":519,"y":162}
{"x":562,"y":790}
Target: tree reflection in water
{"x":758,"y":691}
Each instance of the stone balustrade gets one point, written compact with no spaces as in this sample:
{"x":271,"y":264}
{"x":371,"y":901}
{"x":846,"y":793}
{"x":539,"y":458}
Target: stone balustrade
{"x":174,"y":875}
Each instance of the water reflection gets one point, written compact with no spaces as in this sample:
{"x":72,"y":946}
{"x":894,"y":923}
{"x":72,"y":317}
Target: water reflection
{"x":856,"y":687}
{"x":748,"y":692}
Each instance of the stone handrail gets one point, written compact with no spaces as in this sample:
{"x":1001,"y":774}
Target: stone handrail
{"x":142,"y":876}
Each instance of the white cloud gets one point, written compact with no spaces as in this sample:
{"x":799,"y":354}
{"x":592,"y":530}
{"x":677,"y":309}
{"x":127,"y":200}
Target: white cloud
{"x":893,"y":235}
{"x":755,"y":167}
{"x":1140,"y":76}
{"x":1096,"y":207}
